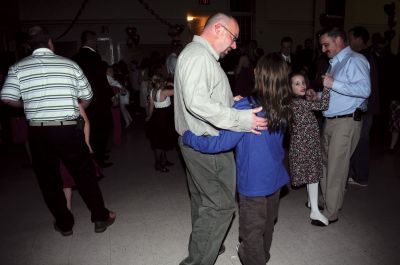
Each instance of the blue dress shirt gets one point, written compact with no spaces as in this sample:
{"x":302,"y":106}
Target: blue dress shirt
{"x":351,"y":85}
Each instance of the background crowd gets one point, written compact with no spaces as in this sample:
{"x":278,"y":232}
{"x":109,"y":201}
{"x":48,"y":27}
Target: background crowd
{"x":145,"y":90}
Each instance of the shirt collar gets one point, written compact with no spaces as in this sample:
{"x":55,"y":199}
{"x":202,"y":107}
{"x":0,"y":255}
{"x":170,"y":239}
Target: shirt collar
{"x":206,"y":44}
{"x":341,"y":55}
{"x":42,"y":51}
{"x":90,"y":48}
{"x":286,"y":57}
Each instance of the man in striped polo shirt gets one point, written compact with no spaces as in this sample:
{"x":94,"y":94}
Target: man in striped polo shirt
{"x":50,"y":89}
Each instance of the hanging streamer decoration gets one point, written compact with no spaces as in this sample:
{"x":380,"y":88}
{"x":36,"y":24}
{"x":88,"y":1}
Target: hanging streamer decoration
{"x":174,"y":30}
{"x":75,"y":19}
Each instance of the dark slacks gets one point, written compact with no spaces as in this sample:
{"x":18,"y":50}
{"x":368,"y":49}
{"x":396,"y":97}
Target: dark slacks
{"x":359,"y":163}
{"x":100,"y":129}
{"x":211,"y":180}
{"x":49,"y":145}
{"x":256,"y":226}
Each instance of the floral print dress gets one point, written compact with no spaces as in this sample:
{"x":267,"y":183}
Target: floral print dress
{"x":305,"y":155}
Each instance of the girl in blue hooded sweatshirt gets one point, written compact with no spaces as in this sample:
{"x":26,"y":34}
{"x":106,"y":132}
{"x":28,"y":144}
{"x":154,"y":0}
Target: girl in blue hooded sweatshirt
{"x":259,"y":158}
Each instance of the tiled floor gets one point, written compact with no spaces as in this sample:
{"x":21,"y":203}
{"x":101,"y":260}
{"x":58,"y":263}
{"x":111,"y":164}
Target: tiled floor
{"x":153,"y":223}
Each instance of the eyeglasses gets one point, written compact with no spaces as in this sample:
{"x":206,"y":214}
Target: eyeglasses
{"x":234,"y":37}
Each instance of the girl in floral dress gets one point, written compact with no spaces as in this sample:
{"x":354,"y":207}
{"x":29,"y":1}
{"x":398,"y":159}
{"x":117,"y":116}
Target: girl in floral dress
{"x":305,"y":157}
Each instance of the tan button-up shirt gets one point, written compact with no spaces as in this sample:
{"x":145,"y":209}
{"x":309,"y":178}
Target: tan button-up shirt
{"x":203,"y":97}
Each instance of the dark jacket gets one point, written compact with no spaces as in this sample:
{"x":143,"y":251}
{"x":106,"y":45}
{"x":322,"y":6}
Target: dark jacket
{"x":95,"y":71}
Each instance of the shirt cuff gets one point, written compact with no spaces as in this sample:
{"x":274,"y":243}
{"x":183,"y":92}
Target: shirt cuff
{"x":245,"y":120}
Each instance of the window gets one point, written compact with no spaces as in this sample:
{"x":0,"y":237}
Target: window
{"x":245,"y":26}
{"x":241,"y":6}
{"x":243,"y":12}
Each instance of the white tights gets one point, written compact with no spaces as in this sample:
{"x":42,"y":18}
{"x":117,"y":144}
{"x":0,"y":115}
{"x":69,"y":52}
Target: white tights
{"x":313,"y":199}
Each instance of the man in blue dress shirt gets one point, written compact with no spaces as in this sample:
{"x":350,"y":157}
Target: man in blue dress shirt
{"x":349,"y":79}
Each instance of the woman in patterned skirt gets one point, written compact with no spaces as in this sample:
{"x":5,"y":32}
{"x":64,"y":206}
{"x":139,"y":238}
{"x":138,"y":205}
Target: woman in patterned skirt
{"x":305,"y":158}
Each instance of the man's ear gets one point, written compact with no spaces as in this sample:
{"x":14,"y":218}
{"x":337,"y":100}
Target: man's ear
{"x":217,"y":28}
{"x":339,"y":40}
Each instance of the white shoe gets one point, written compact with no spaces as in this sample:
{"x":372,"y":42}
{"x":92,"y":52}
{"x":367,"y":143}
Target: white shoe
{"x":318,"y":219}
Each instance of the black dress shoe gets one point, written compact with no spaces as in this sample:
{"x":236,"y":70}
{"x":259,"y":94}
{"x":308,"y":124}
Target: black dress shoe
{"x":62,"y":232}
{"x":99,"y":177}
{"x":317,"y":222}
{"x":221,"y":250}
{"x":101,"y":226}
{"x":161,"y":168}
{"x":319,"y":207}
{"x":333,"y":221}
{"x":169,"y":164}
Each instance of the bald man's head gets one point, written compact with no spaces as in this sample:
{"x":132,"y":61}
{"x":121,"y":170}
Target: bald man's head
{"x":221,"y":31}
{"x":219,"y":17}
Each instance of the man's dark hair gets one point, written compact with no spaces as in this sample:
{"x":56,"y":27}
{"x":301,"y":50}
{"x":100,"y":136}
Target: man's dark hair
{"x":38,"y":37}
{"x":334,"y":32}
{"x":87,"y":35}
{"x":286,"y":39}
{"x":360,"y":32}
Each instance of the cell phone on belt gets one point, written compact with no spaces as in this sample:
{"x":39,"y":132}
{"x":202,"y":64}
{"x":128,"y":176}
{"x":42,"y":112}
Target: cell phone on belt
{"x":357,"y":114}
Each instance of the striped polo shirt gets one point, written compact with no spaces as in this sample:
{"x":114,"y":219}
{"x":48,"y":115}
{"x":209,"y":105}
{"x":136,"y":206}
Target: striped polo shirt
{"x":49,"y":86}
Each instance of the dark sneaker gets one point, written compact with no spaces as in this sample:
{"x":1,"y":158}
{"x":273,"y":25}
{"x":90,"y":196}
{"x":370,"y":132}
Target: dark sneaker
{"x":101,"y":226}
{"x":62,"y":232}
{"x":351,"y":181}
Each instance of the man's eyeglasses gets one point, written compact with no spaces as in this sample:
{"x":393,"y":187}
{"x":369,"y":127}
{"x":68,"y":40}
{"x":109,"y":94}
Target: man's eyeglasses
{"x":234,"y":37}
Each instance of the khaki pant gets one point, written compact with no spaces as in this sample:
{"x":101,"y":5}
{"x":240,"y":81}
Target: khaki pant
{"x":212,"y":182}
{"x":339,"y":140}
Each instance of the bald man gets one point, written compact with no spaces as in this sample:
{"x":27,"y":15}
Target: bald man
{"x":203,"y":101}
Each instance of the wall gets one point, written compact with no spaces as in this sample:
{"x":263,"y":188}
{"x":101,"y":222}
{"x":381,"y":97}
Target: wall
{"x":116,"y":15}
{"x":9,"y":26}
{"x":272,"y":20}
{"x":110,"y":19}
{"x":276,"y":19}
{"x":371,"y":16}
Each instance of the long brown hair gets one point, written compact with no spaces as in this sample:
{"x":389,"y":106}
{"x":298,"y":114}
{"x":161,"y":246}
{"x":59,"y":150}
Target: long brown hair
{"x":272,"y":91}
